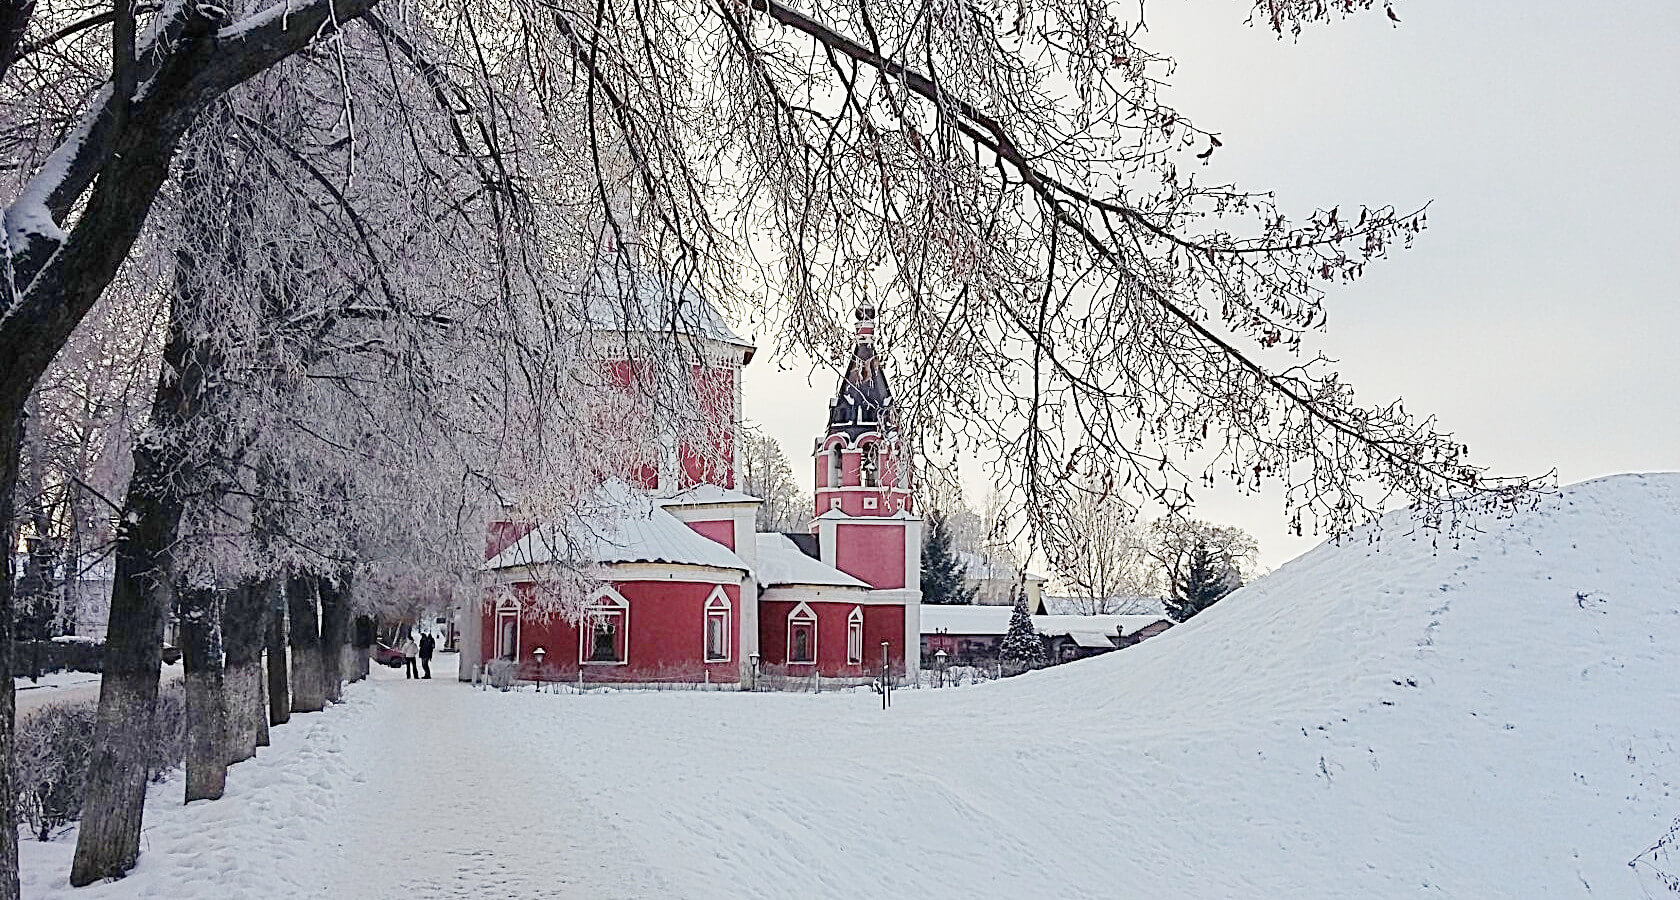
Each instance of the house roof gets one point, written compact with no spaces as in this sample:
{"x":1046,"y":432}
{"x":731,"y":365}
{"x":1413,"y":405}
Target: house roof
{"x":628,"y":527}
{"x":1092,"y":640}
{"x":940,"y":618}
{"x":994,"y":620}
{"x":781,"y":562}
{"x":629,"y":298}
{"x":1070,"y":606}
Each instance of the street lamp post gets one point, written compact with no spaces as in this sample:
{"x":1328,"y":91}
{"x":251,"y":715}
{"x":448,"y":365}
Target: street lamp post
{"x":939,"y":663}
{"x":754,"y":657}
{"x":886,"y":677}
{"x":539,"y":653}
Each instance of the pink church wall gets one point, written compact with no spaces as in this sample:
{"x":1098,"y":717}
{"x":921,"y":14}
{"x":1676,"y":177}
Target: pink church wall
{"x":721,"y":531}
{"x":708,"y":457}
{"x":871,"y":553}
{"x":666,"y":636}
{"x":880,"y":623}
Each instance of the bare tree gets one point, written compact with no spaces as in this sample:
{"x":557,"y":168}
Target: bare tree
{"x":1106,"y":560}
{"x":765,"y":474}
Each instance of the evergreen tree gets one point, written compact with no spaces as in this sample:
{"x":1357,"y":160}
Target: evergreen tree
{"x":1022,"y":644}
{"x":942,"y":571}
{"x":1206,"y":575}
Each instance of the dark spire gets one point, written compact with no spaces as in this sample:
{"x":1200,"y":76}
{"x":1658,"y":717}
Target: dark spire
{"x":863,"y":402}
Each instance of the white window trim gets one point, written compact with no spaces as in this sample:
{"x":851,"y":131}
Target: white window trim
{"x":717,"y":604}
{"x":801,"y":614}
{"x":854,"y":627}
{"x":509,"y":610}
{"x":608,"y":598}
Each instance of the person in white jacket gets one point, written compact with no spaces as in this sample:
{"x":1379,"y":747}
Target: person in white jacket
{"x":409,"y":651}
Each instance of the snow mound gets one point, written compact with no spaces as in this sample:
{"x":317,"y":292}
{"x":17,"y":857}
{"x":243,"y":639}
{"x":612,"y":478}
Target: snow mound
{"x":1491,"y":717}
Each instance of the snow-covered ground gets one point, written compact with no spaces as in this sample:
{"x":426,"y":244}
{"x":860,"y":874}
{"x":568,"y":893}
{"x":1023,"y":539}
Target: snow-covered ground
{"x":66,"y":687}
{"x":1491,"y":720}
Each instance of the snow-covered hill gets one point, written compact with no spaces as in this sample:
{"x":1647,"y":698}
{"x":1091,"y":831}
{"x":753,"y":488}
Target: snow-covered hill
{"x":1495,"y":719}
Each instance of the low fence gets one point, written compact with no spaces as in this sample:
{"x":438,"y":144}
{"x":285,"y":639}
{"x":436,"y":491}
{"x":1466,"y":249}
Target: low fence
{"x":506,"y":675}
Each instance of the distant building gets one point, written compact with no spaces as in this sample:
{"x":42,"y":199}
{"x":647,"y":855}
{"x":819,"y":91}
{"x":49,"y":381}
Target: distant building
{"x":994,"y":582}
{"x":971,"y":635}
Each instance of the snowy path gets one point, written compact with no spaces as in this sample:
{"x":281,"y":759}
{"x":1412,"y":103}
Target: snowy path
{"x":447,"y":812}
{"x":402,"y":792}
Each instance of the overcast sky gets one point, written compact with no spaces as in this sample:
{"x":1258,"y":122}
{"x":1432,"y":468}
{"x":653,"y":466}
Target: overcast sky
{"x":1537,"y":316}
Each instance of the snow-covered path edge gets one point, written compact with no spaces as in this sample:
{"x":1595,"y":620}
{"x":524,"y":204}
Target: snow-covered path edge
{"x":285,"y":801}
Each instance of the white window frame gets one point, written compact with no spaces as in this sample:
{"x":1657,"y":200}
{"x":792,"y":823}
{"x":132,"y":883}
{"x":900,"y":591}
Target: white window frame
{"x":609,"y":602}
{"x":717,"y":607}
{"x":508,"y":610}
{"x":801,"y":615}
{"x":854,"y":637}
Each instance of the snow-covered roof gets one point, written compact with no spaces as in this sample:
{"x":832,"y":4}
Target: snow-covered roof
{"x":1092,"y":640}
{"x":781,"y":562}
{"x":1073,"y":606}
{"x":941,"y":618}
{"x":629,"y":528}
{"x":938,"y":618}
{"x":1052,"y":626}
{"x":707,"y":495}
{"x":631,"y":298}
{"x":983,"y":568}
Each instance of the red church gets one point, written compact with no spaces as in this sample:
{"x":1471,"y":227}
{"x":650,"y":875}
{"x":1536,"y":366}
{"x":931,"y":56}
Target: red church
{"x":684,"y":589}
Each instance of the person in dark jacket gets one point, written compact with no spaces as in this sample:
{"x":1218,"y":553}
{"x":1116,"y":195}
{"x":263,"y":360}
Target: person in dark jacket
{"x":427,"y":645}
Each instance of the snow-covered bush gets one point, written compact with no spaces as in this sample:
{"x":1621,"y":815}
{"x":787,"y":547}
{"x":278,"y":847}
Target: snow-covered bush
{"x":55,"y":743}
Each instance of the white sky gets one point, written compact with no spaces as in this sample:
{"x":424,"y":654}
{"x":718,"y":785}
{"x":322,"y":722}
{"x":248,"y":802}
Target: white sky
{"x":1537,"y":313}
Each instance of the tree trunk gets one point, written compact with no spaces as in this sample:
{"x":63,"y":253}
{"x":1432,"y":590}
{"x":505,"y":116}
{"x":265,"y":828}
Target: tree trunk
{"x":361,"y":643}
{"x":8,"y":699}
{"x":207,"y":708}
{"x":279,"y":684}
{"x":243,"y":619}
{"x":108,"y":842}
{"x":335,"y":628}
{"x":308,"y":689}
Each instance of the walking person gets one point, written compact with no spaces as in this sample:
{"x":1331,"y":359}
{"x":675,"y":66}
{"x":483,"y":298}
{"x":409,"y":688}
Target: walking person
{"x":427,"y":645}
{"x":409,"y":650}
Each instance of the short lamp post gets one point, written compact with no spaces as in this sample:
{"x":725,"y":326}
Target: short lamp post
{"x":754,"y":657}
{"x":886,"y":677}
{"x":539,"y":653}
{"x":939,"y":663}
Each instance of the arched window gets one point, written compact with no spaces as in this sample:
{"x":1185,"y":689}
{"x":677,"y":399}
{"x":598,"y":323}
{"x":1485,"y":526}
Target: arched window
{"x":604,"y":630}
{"x":802,"y":636}
{"x":854,"y":637}
{"x":717,"y":627}
{"x":872,"y":464}
{"x":507,"y":631}
{"x":836,"y":471}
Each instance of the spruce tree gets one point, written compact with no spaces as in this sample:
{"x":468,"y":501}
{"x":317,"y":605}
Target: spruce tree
{"x":1021,"y":644}
{"x":942,"y":571}
{"x":1206,"y":577}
